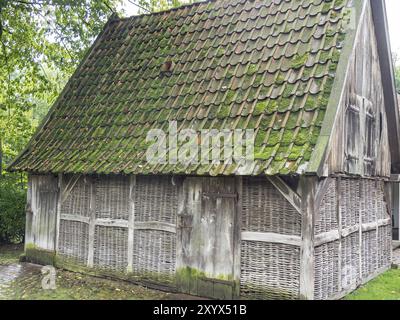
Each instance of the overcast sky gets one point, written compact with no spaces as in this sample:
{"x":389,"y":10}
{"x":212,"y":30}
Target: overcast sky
{"x":393,"y":9}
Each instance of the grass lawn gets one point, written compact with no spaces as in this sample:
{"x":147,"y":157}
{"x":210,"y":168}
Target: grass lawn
{"x":22,"y":281}
{"x":384,"y":287}
{"x":10,"y":253}
{"x":77,"y":286}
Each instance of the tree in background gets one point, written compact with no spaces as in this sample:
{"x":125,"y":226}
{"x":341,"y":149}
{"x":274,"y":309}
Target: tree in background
{"x":159,"y":5}
{"x":396,"y":64}
{"x":41,"y":43}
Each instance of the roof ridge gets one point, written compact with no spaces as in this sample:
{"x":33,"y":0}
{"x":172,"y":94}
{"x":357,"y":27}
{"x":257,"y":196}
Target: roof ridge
{"x":182,"y":7}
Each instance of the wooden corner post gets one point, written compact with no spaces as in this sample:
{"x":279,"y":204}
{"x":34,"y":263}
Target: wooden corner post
{"x":308,"y":186}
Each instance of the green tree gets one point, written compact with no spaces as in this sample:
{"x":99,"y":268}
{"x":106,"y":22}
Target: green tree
{"x":396,"y":64}
{"x":41,"y":43}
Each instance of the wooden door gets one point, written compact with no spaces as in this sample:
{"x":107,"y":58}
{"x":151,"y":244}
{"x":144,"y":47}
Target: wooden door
{"x":44,"y":196}
{"x":206,"y":247}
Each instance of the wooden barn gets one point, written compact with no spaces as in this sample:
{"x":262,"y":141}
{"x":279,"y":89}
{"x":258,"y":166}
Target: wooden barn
{"x":309,"y":218}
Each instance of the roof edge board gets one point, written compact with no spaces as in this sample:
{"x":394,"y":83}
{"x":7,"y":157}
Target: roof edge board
{"x":390,"y":96}
{"x":319,"y":154}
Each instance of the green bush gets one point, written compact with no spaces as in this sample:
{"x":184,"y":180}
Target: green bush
{"x":12,"y":210}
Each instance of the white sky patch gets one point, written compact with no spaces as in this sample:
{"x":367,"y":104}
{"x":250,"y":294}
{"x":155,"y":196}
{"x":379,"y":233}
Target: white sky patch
{"x":393,"y":10}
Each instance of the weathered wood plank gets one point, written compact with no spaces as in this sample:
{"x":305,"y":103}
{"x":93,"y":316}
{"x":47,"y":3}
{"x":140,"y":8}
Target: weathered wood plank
{"x":237,"y":227}
{"x":327,"y":237}
{"x":92,"y":226}
{"x":340,"y":230}
{"x":271,"y":238}
{"x":112,"y":223}
{"x":308,"y":185}
{"x":131,"y":222}
{"x":58,"y":218}
{"x":155,"y":225}
{"x":72,"y":217}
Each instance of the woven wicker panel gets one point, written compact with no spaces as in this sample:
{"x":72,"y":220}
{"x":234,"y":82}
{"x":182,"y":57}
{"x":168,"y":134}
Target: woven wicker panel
{"x":350,"y":261}
{"x":369,"y":253}
{"x":156,"y":199}
{"x":326,"y":271}
{"x":154,"y":254}
{"x":73,"y":240}
{"x":111,"y":248}
{"x":369,"y":201}
{"x":350,"y":202}
{"x":112,"y":197}
{"x":264,"y":209}
{"x":385,"y":246}
{"x":269,"y":271}
{"x":78,"y":200}
{"x":382,"y":208}
{"x":327,"y":218}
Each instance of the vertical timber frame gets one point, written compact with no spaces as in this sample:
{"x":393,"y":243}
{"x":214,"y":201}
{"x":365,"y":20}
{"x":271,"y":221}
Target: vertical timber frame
{"x":58,"y":213}
{"x":131,"y":223}
{"x":92,"y":222}
{"x":308,"y":186}
{"x":29,"y":213}
{"x":237,"y":229}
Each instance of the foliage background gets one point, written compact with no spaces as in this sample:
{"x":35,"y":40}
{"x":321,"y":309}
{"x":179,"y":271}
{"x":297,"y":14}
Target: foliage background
{"x":41,"y":43}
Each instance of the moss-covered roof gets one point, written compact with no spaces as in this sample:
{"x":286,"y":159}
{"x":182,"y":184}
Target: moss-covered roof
{"x":267,"y":65}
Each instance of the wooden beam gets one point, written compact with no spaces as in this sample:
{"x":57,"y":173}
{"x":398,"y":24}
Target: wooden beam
{"x":92,"y":218}
{"x":73,"y":217}
{"x":155,"y":225}
{"x":326,"y":237}
{"x":321,"y":191}
{"x":286,"y":191}
{"x":360,"y":235}
{"x":131,"y":223}
{"x":58,"y":213}
{"x":340,"y":231}
{"x":119,"y":223}
{"x":350,"y":230}
{"x":334,"y":235}
{"x":237,"y":228}
{"x":69,"y":187}
{"x":271,"y":238}
{"x":308,"y":185}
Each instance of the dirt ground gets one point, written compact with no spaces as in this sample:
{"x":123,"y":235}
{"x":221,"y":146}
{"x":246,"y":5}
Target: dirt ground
{"x":23,"y":281}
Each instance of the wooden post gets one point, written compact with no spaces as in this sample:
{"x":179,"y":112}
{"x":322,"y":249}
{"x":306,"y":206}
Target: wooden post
{"x":360,"y":234}
{"x":308,"y":185}
{"x":92,"y":221}
{"x":58,"y":213}
{"x":29,"y":212}
{"x":340,"y":229}
{"x":237,"y":229}
{"x":131,"y":224}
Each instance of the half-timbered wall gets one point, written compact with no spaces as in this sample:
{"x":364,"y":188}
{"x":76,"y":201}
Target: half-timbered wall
{"x":352,"y":235}
{"x":359,"y":141}
{"x":271,"y":240}
{"x":118,"y":223}
{"x":213,"y":234}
